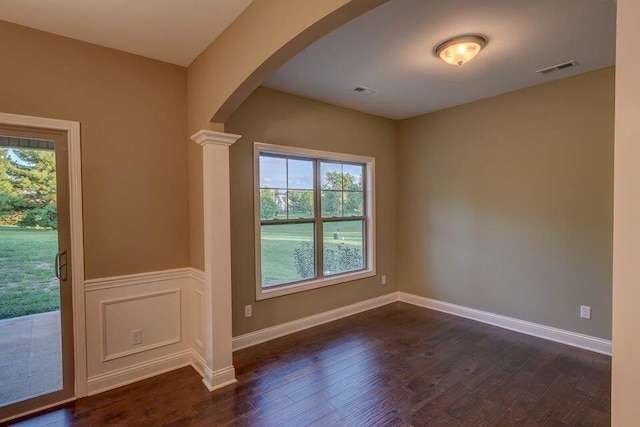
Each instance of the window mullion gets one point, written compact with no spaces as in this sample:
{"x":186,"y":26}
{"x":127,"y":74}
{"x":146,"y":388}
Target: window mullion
{"x":319,"y":225}
{"x":365,"y":215}
{"x":286,"y":194}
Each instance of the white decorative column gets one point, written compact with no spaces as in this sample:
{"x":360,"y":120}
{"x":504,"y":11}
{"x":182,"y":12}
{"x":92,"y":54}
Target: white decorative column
{"x":219,"y":370}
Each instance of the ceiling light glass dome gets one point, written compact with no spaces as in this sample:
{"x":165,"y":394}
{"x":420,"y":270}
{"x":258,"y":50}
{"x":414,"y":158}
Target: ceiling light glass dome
{"x":461,"y":49}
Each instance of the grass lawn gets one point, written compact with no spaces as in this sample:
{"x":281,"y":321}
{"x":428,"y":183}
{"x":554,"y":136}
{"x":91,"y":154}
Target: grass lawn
{"x":278,"y":243}
{"x":27,"y":281}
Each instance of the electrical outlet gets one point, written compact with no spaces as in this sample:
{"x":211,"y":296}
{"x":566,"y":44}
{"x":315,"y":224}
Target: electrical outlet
{"x":248,"y":311}
{"x":585,"y":312}
{"x":383,"y":279}
{"x":136,"y":336}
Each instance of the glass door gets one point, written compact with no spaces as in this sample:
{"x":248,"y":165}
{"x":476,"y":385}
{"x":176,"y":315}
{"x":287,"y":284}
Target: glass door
{"x":36,"y":343}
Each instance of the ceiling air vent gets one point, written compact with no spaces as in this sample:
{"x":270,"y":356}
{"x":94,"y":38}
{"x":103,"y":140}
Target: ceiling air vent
{"x":365,"y":90}
{"x":557,"y":67}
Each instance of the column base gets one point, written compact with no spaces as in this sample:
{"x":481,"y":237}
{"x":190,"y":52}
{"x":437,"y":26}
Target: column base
{"x":214,"y":380}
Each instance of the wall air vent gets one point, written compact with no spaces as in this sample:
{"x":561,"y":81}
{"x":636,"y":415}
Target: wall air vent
{"x":365,"y":90}
{"x":557,"y":67}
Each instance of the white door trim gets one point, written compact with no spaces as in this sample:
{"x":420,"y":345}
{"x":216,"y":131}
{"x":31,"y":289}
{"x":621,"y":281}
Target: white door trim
{"x":77,"y":243}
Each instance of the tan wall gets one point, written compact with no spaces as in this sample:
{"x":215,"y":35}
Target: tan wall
{"x":626,"y":248}
{"x":132,"y":112}
{"x":278,"y":118}
{"x":265,"y":36}
{"x":505,"y":204}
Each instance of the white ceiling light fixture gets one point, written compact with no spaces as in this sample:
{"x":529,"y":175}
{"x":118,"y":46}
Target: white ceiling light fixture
{"x":460,"y":49}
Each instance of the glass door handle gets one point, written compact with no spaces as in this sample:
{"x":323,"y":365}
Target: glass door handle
{"x":61,"y":266}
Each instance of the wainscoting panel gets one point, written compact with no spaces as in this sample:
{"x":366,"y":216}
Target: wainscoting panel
{"x":159,"y":304}
{"x":119,"y":315}
{"x":198,"y":316}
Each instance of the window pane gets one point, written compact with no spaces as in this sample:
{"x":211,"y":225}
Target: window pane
{"x":331,"y":204}
{"x":343,"y":246}
{"x":352,"y":202}
{"x":300,"y":174}
{"x":331,"y":174}
{"x":273,"y":172}
{"x":273,"y":204}
{"x":352,"y":177}
{"x":287,"y":253}
{"x":300,"y":204}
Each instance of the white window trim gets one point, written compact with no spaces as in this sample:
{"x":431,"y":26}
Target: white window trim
{"x":370,"y":241}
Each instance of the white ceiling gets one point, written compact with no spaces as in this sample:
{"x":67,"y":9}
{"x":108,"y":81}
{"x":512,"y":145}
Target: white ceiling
{"x":390,"y":48}
{"x":174,"y":31}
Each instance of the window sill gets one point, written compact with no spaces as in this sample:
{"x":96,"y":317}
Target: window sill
{"x":278,"y":291}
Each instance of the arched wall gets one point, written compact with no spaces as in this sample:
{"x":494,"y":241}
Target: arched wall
{"x":271,"y":31}
{"x":265,"y":36}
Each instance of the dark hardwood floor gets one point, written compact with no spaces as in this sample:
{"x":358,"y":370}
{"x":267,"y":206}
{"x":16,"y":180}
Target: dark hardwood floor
{"x":396,"y":365}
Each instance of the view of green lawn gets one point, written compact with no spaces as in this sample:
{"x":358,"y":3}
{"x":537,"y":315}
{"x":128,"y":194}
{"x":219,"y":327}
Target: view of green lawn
{"x":278,"y":243}
{"x":27,"y":281}
{"x":28,"y":284}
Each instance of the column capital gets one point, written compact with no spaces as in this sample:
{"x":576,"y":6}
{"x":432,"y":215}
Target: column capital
{"x":206,"y":137}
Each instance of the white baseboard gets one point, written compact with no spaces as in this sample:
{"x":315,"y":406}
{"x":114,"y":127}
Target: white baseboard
{"x":120,"y":377}
{"x":198,"y":363}
{"x":268,"y":334}
{"x":213,"y":380}
{"x":573,"y":339}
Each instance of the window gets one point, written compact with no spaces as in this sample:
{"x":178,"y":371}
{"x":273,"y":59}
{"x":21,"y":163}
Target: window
{"x":314,"y":219}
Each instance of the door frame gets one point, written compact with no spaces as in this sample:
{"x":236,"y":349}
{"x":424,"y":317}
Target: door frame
{"x":77,"y":242}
